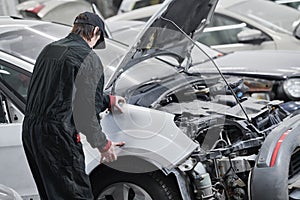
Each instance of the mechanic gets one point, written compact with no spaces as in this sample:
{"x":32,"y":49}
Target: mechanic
{"x":65,"y":96}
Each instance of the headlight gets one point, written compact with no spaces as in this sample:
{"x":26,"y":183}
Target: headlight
{"x":292,"y":88}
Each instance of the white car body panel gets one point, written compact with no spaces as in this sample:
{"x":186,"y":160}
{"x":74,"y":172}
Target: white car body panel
{"x":148,"y":134}
{"x":12,"y":154}
{"x":153,"y":137}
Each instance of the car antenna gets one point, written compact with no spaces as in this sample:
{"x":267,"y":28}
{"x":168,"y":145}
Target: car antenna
{"x":91,"y":3}
{"x":216,"y":66}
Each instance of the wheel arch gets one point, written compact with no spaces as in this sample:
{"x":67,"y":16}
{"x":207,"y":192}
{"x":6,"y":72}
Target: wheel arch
{"x":133,"y":164}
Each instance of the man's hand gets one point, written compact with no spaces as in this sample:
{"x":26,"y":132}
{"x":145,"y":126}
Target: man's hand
{"x":110,"y":155}
{"x":115,"y":102}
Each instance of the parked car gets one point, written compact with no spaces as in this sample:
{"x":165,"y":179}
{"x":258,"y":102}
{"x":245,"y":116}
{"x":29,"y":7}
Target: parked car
{"x":61,"y":11}
{"x":241,"y":25}
{"x":186,"y":135}
{"x":290,"y":3}
{"x":65,"y":11}
{"x":269,"y":74}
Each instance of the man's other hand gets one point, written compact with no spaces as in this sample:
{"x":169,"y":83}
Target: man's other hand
{"x":116,"y":101}
{"x":110,"y":155}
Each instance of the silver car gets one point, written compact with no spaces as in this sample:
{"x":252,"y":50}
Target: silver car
{"x":291,"y":3}
{"x":188,"y":135}
{"x":241,"y":25}
{"x":61,"y":11}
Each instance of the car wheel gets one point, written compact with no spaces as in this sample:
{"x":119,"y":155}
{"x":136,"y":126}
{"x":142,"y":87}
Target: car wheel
{"x":115,"y":185}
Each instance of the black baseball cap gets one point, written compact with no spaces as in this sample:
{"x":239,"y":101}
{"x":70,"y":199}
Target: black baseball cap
{"x":94,"y":20}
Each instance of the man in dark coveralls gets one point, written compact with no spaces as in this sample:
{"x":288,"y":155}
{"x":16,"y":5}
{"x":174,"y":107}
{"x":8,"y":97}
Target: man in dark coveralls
{"x":65,"y":96}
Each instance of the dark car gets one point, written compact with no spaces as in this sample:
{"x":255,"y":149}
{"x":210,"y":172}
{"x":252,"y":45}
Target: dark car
{"x":269,"y":74}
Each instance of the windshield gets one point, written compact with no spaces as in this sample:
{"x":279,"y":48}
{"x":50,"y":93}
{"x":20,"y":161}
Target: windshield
{"x":27,"y":42}
{"x":276,"y":17}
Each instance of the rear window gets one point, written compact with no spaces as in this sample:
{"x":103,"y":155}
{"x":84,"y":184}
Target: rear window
{"x":27,"y":42}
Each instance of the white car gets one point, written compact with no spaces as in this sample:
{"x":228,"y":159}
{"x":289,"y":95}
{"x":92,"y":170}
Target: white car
{"x":241,"y":25}
{"x":187,"y":135}
{"x":61,"y":11}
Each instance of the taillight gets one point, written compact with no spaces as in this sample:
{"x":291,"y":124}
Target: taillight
{"x":277,"y":147}
{"x":35,"y":9}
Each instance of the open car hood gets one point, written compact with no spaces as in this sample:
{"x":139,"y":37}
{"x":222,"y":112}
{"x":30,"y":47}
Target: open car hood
{"x":168,"y":32}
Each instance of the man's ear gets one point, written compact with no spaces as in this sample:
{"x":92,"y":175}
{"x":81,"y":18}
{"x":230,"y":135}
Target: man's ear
{"x":96,"y":29}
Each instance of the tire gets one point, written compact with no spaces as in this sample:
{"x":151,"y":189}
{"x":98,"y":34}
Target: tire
{"x":110,"y":184}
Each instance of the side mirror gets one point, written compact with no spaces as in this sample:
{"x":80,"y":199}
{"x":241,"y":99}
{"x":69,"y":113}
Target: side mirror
{"x":253,"y":36}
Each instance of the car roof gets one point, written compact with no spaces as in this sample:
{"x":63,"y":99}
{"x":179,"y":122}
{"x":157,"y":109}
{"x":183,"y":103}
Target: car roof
{"x":227,"y":3}
{"x":63,"y":11}
{"x":48,"y":5}
{"x":7,"y":21}
{"x":17,"y":35}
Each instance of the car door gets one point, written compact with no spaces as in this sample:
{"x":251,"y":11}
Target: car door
{"x":14,"y":170}
{"x":227,"y":34}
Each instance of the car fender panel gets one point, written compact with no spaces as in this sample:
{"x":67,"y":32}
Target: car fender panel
{"x":271,"y":175}
{"x":148,"y":134}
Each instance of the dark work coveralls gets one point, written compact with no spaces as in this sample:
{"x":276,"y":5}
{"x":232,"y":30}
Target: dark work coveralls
{"x":64,"y":97}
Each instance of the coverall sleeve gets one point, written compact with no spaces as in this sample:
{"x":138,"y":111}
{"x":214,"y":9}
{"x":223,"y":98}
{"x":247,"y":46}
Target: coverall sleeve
{"x":89,"y":100}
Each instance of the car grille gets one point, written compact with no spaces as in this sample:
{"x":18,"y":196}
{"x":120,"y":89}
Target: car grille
{"x":295,"y":163}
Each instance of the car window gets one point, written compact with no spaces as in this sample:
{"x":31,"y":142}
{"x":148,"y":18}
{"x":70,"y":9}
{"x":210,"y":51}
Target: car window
{"x":222,"y":30}
{"x":290,"y":3}
{"x":24,"y":44}
{"x":27,"y":43}
{"x":294,"y":5}
{"x":15,"y":80}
